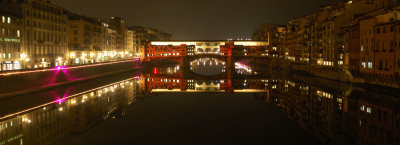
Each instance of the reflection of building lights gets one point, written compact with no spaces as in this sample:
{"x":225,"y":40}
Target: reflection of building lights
{"x":43,"y":105}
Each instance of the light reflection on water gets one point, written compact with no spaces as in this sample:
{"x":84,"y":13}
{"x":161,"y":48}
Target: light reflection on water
{"x":208,"y":66}
{"x":335,"y":113}
{"x":71,"y":114}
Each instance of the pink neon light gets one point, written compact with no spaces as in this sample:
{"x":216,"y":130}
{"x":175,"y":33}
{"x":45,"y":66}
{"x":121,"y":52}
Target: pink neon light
{"x":59,"y":100}
{"x":63,"y":67}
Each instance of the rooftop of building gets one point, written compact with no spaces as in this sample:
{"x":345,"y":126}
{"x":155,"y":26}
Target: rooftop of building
{"x":4,"y":12}
{"x":74,"y":16}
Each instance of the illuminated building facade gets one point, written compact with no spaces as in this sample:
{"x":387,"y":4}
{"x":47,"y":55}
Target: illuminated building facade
{"x":319,"y":38}
{"x":120,"y":27}
{"x":129,"y":42}
{"x":367,"y":46}
{"x":352,"y":45}
{"x":184,"y":52}
{"x":342,"y":39}
{"x":142,"y":36}
{"x":274,"y":34}
{"x":221,"y":48}
{"x":384,"y":49}
{"x":140,"y":39}
{"x":84,"y":39}
{"x":10,"y":42}
{"x":44,"y":32}
{"x":39,"y":34}
{"x":109,"y":37}
{"x":376,"y":53}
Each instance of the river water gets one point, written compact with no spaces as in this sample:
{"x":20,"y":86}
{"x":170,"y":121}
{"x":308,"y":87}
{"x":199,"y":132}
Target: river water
{"x":171,"y":105}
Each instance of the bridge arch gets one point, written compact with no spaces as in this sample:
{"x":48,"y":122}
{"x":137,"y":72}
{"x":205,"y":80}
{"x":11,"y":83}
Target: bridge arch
{"x":200,"y":50}
{"x":199,"y":83}
{"x":208,"y":50}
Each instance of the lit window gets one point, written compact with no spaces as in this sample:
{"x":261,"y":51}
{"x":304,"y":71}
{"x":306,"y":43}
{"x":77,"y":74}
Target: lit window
{"x":18,"y":33}
{"x":362,"y":47}
{"x":8,"y":20}
{"x":369,"y":110}
{"x":370,"y":65}
{"x":362,"y":108}
{"x":364,"y":64}
{"x":3,"y":19}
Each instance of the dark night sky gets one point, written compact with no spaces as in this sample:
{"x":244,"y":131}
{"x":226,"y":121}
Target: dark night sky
{"x":197,"y":19}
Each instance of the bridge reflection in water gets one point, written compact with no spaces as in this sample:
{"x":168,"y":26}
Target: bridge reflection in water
{"x":335,"y":113}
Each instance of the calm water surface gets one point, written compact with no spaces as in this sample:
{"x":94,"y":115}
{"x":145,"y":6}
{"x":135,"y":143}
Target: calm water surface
{"x":175,"y":106}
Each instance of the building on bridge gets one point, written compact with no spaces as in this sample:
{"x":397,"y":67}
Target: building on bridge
{"x":168,"y":49}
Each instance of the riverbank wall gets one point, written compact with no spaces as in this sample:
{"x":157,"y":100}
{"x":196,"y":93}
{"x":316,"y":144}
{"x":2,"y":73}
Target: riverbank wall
{"x":338,"y":74}
{"x":19,"y":83}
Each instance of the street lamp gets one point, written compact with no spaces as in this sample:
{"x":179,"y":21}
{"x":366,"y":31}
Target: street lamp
{"x":23,"y":55}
